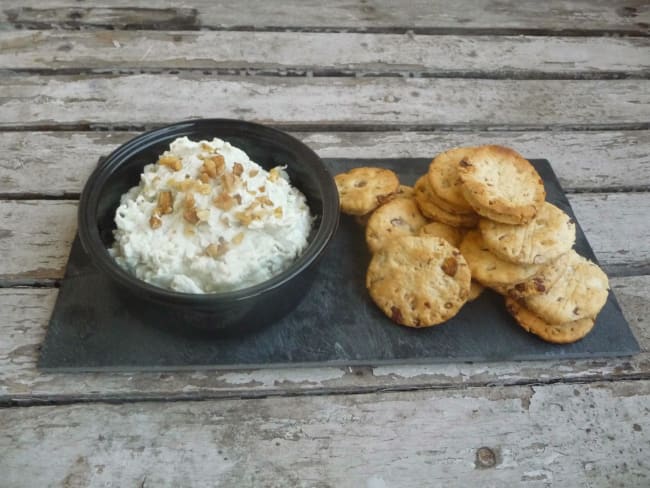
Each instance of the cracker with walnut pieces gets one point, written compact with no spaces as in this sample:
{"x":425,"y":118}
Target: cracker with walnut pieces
{"x":399,"y":217}
{"x":362,"y":190}
{"x":423,"y":194}
{"x":558,"y":334}
{"x":501,"y":185}
{"x":490,"y":270}
{"x":546,"y":237}
{"x":445,"y":182}
{"x":418,"y":281}
{"x":580,"y":292}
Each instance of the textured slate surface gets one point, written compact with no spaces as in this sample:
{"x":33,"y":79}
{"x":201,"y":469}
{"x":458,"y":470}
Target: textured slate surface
{"x":336,"y":324}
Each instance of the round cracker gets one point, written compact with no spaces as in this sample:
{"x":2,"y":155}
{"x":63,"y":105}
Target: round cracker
{"x":498,"y":181}
{"x":361,"y":190}
{"x":581,"y":291}
{"x":445,"y":182}
{"x":558,"y":334}
{"x":418,"y":281}
{"x":475,"y":290}
{"x":398,"y":217}
{"x":541,"y":281}
{"x":431,"y":210}
{"x":489,"y":269}
{"x":546,"y":237}
{"x":453,"y":235}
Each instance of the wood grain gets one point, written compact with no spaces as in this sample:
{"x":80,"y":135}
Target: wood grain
{"x":58,"y":163}
{"x":527,"y":436}
{"x":576,"y":16}
{"x":38,"y":101}
{"x":326,"y":53}
{"x":35,"y":235}
{"x":26,"y":313}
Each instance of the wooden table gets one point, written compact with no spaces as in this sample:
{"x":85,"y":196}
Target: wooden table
{"x":563,"y":80}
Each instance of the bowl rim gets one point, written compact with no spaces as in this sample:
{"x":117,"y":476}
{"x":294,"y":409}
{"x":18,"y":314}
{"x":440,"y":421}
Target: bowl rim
{"x":94,"y":246}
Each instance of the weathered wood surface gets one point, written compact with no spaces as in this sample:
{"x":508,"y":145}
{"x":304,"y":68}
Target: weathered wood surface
{"x":58,"y":163}
{"x":529,"y":436}
{"x":26,"y":313}
{"x":113,"y":100}
{"x":576,"y":16}
{"x":302,"y":53}
{"x":35,"y":235}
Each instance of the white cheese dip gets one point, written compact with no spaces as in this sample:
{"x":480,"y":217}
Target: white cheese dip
{"x":205,"y":218}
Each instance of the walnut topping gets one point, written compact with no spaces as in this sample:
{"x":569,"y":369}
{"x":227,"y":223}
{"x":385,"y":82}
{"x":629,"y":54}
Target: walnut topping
{"x":237,"y":169}
{"x":274,"y":174}
{"x":189,"y":209}
{"x":206,"y":147}
{"x":165,"y":204}
{"x":212,"y":167}
{"x":253,"y":173}
{"x":224,"y":201}
{"x":203,"y":215}
{"x":277,"y":212}
{"x":155,"y":222}
{"x":261,"y":189}
{"x":204,"y":178}
{"x":172,"y":162}
{"x":237,"y":197}
{"x":190,"y":184}
{"x":238,"y":238}
{"x":264,"y":200}
{"x":228,"y":182}
{"x":450,"y":266}
{"x":219,"y":249}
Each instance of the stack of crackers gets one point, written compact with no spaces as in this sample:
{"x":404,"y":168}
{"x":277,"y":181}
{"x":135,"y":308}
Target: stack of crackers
{"x":478,"y":218}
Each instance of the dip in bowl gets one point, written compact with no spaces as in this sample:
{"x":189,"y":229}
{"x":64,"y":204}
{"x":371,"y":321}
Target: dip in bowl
{"x":230,"y":305}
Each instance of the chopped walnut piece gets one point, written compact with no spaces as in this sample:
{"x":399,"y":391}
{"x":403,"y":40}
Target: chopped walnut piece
{"x":277,"y":212}
{"x":155,"y":222}
{"x":206,"y":147}
{"x":203,"y":215}
{"x":209,"y":168}
{"x":253,"y":173}
{"x":224,"y":201}
{"x":204,"y":178}
{"x":219,"y":249}
{"x":228,"y":182}
{"x":261,"y":189}
{"x":238,"y":238}
{"x":264,"y":200}
{"x":189,"y":209}
{"x":165,"y":203}
{"x":237,"y":197}
{"x":172,"y":162}
{"x":237,"y":169}
{"x":274,"y":174}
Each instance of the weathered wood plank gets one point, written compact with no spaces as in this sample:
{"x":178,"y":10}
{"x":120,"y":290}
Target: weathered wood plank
{"x":26,"y":313}
{"x":58,"y":163}
{"x":631,"y":16}
{"x":35,"y":235}
{"x":556,"y":435}
{"x":37,"y":101}
{"x":295,"y":52}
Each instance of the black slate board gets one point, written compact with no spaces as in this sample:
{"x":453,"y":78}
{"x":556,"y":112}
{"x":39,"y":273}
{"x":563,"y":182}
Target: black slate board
{"x":336,"y":324}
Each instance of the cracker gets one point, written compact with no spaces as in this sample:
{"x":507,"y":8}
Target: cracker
{"x":546,"y":237}
{"x":445,"y":181}
{"x":398,"y":217}
{"x":565,"y":333}
{"x":580,"y":292}
{"x":361,"y":190}
{"x":431,"y":210}
{"x":501,"y":185}
{"x":489,"y":269}
{"x":475,"y":290}
{"x":542,"y":281}
{"x":453,"y":235}
{"x":418,"y":281}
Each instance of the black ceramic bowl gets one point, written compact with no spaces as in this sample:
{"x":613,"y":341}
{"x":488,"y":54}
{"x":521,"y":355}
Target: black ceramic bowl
{"x":235,"y":311}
